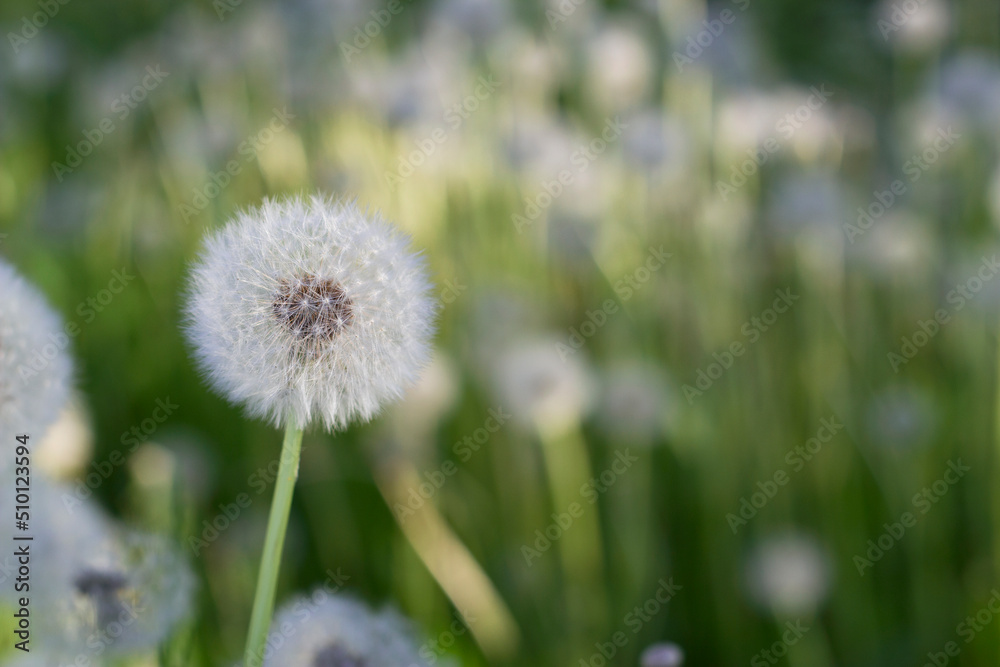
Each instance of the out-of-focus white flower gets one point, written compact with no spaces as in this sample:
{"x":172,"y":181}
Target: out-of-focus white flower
{"x":535,"y":67}
{"x":898,"y":246}
{"x":653,"y":140}
{"x":41,"y":62}
{"x":810,"y":202}
{"x":411,"y":89}
{"x":153,"y":465}
{"x":619,"y":66}
{"x":538,"y":145}
{"x":337,"y":631}
{"x":35,"y":367}
{"x":794,"y":122}
{"x":430,"y":399}
{"x":788,"y":574}
{"x":67,"y":446}
{"x":662,"y":655}
{"x":542,"y":390}
{"x":102,"y":585}
{"x":914,"y":27}
{"x":638,"y":402}
{"x":308,"y":310}
{"x":61,"y":527}
{"x":129,"y":590}
{"x":32,"y":659}
{"x":478,"y":19}
{"x":901,"y":417}
{"x":969,"y":84}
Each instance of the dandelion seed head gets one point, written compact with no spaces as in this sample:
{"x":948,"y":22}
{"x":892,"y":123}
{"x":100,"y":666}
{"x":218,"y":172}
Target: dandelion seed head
{"x":126,"y":580}
{"x":310,"y":310}
{"x":98,"y":578}
{"x":313,"y":309}
{"x":336,"y":656}
{"x":35,"y":369}
{"x":339,"y":631}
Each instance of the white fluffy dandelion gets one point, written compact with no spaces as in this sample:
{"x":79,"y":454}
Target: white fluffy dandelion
{"x":338,"y":631}
{"x":35,"y":369}
{"x":104,"y":587}
{"x":307,"y":310}
{"x":310,"y":309}
{"x":128,"y":592}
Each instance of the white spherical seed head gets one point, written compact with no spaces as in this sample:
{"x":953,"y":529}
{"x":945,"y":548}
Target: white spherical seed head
{"x":337,"y":631}
{"x":308,"y":310}
{"x":35,"y":368}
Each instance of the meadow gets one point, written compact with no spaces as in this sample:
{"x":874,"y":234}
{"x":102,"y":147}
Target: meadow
{"x":716,"y":356}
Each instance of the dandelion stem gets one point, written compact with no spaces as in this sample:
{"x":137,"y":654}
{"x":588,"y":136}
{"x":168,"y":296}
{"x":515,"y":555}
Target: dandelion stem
{"x":270,"y":562}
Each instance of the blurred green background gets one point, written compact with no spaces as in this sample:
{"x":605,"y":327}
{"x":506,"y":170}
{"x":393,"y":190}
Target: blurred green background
{"x":610,"y":195}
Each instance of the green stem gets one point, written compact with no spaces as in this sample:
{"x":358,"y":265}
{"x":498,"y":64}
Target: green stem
{"x":270,"y":562}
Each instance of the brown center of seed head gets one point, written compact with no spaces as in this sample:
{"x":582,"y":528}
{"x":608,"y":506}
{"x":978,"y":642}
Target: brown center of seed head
{"x":314,"y":309}
{"x":335,"y":656}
